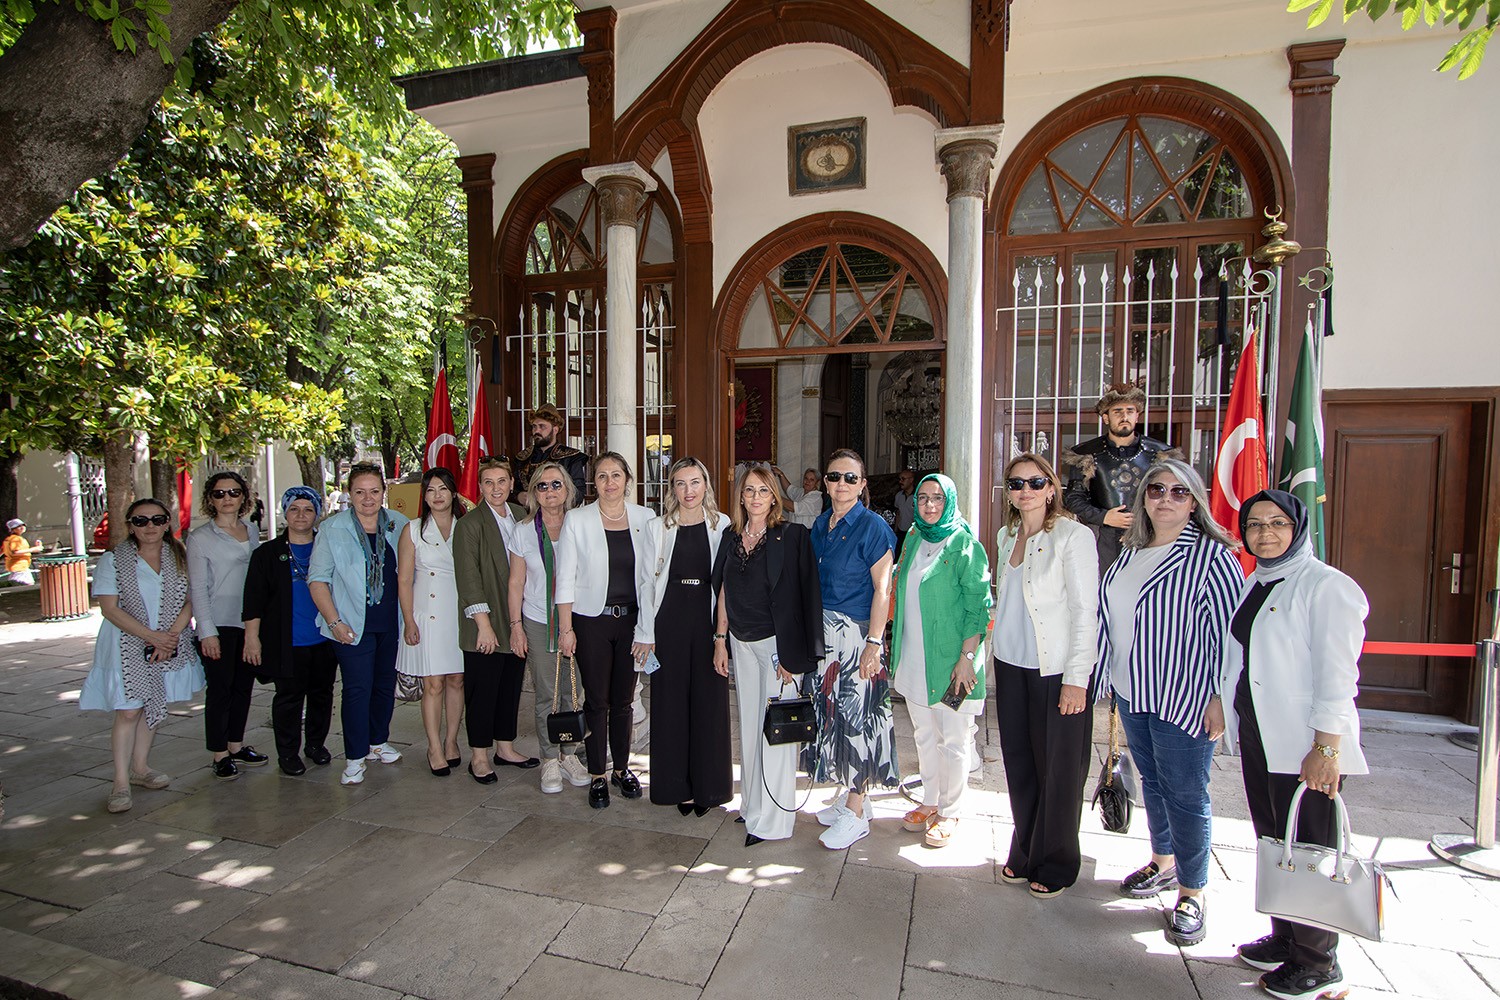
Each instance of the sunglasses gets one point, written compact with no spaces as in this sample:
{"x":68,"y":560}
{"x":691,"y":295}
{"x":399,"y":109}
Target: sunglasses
{"x":221,"y":494}
{"x":1036,"y":484}
{"x":141,"y":520}
{"x":1179,"y":494}
{"x":849,"y":477}
{"x":551,"y":484}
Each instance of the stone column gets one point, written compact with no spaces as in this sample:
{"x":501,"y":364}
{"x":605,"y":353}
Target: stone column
{"x":966,"y":155}
{"x":622,"y":191}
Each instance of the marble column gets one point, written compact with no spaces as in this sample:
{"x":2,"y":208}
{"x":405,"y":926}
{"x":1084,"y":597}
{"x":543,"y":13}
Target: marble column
{"x":966,"y":156}
{"x":622,"y":191}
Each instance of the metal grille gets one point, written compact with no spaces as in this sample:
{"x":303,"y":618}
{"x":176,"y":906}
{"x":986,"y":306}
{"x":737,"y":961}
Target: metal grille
{"x":91,"y":486}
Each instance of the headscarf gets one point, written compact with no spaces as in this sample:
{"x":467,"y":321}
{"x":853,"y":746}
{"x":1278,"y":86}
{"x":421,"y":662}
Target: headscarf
{"x":1300,"y":548}
{"x":302,"y":493}
{"x":950,"y":521}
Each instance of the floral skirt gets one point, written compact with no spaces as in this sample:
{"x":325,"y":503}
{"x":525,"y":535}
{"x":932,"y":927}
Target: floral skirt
{"x":856,"y":745}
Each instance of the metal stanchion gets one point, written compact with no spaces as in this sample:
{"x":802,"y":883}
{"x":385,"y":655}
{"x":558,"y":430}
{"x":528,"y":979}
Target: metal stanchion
{"x":1479,"y":853}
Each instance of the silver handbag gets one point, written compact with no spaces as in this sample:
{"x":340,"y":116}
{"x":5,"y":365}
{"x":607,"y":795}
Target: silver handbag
{"x":1324,"y":887}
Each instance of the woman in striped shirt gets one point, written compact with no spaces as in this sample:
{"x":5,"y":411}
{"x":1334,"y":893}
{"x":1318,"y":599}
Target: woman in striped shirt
{"x":1163,"y":610}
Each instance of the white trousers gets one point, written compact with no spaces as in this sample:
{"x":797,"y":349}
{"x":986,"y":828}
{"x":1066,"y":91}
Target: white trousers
{"x":754,"y":682}
{"x":943,"y":738}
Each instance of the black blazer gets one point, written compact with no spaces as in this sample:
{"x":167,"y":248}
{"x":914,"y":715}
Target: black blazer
{"x":796,"y":594}
{"x":268,"y":596}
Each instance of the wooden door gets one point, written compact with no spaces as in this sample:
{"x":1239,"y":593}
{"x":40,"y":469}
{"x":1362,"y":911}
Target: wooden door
{"x":1402,"y":477}
{"x":833,"y":411}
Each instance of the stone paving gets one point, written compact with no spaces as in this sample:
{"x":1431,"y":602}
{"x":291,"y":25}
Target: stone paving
{"x":411,"y":886}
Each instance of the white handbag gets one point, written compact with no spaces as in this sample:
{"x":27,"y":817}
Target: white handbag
{"x":1324,"y":887}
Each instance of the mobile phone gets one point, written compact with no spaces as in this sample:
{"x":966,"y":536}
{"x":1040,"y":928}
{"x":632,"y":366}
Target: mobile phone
{"x":149,"y":651}
{"x":955,"y":696}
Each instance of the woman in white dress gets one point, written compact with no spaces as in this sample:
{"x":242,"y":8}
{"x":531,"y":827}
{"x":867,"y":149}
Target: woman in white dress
{"x":429,"y":605}
{"x":144,"y":656}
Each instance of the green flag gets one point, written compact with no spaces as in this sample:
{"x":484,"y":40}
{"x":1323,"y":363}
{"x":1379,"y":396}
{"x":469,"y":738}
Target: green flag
{"x":1301,"y":471}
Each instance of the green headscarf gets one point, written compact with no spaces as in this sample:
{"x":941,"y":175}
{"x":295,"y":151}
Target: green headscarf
{"x":951,"y":520}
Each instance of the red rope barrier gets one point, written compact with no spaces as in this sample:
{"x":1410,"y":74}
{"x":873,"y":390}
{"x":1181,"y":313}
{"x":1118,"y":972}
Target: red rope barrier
{"x":1422,"y":649}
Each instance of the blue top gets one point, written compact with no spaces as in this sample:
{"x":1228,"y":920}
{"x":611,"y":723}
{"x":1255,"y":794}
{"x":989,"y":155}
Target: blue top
{"x":304,"y":613}
{"x":382,"y":617}
{"x":846,"y":555}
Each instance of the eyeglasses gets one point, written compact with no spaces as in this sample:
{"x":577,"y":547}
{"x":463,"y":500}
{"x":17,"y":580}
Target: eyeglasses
{"x":756,"y":491}
{"x":1036,"y":484}
{"x":1277,"y":525}
{"x":551,"y":484}
{"x":141,"y":520}
{"x":849,"y":477}
{"x":235,"y":493}
{"x":1179,"y":494}
{"x":929,"y":501}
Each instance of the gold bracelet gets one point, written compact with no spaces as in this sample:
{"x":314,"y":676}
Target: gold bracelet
{"x":1331,"y":753}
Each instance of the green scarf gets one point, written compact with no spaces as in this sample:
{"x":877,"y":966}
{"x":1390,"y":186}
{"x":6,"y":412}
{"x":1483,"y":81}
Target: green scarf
{"x":951,"y":520}
{"x":549,"y":563}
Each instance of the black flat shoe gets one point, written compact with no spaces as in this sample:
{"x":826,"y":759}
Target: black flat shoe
{"x":526,"y":764}
{"x":751,"y":840}
{"x":1147,"y":881}
{"x":455,"y":761}
{"x":598,"y":794}
{"x":224,"y":768}
{"x":685,"y":808}
{"x":483,"y":779}
{"x":739,"y":819}
{"x":292,"y":765}
{"x":321,"y":757}
{"x":441,"y":772}
{"x":628,"y":784}
{"x":249,"y":756}
{"x":701,"y":811}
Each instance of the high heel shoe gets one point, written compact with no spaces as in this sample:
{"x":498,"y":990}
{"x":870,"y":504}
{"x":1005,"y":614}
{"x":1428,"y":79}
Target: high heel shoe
{"x":701,"y":811}
{"x":751,"y":840}
{"x":483,"y":779}
{"x":440,"y":772}
{"x":455,"y":761}
{"x":685,"y":808}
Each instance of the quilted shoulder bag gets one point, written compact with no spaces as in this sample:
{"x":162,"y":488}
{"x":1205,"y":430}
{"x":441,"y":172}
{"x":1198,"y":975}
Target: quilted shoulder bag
{"x":789,"y":720}
{"x":568,"y":726}
{"x":1111,"y":795}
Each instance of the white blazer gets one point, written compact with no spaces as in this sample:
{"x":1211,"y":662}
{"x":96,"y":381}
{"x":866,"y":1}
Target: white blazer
{"x":1061,"y":588}
{"x":1305,"y":653}
{"x":660,"y":541}
{"x":583,"y":561}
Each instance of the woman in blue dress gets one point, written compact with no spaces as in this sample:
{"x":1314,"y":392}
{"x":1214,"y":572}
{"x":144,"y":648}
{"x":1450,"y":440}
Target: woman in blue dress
{"x":144,"y":656}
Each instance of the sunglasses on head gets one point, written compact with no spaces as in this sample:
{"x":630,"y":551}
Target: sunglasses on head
{"x":141,"y":520}
{"x":849,"y":477}
{"x":551,"y":484}
{"x":1179,"y":494}
{"x":233,"y":491}
{"x":1036,"y":484}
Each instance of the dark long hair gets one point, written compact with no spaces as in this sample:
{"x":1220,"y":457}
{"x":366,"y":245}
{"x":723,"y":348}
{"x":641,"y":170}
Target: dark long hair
{"x":170,"y":539}
{"x":445,"y":477}
{"x":246,"y":501}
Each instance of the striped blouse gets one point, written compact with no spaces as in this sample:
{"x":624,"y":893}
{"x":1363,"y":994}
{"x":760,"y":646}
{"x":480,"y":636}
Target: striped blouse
{"x":1180,"y":621}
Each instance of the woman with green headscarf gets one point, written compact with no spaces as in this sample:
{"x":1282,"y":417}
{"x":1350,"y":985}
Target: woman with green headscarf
{"x":942,"y":608}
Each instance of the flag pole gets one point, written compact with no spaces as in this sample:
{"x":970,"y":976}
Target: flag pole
{"x":1276,"y":251}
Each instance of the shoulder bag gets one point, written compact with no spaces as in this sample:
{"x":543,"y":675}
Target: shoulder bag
{"x":569,"y":726}
{"x":1110,"y":794}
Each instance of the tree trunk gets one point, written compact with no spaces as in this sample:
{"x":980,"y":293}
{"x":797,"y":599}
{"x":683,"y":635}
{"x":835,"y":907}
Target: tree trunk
{"x":164,"y":483}
{"x":311,"y":468}
{"x":119,"y":481}
{"x":10,"y":462}
{"x":71,"y":104}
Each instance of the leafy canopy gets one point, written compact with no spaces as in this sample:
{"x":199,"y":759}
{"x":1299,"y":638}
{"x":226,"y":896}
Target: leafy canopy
{"x":1466,"y":54}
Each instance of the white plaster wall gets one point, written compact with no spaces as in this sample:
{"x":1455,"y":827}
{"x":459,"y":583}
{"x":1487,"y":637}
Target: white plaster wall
{"x":744,"y":123}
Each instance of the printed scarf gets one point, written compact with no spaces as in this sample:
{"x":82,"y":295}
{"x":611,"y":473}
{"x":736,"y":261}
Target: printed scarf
{"x":143,"y":679}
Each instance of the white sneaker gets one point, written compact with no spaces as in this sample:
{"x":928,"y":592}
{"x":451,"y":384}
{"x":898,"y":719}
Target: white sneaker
{"x":830,"y":815}
{"x":846,"y":831}
{"x":551,"y":777}
{"x":383,"y":752}
{"x":575,"y":770}
{"x":354,"y":773}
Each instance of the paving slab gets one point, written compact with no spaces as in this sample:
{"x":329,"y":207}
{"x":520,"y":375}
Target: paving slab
{"x":261,"y":808}
{"x":273,"y":980}
{"x":970,"y":854}
{"x":34,"y":763}
{"x":925,"y":984}
{"x":464,"y":942}
{"x":81,"y":873}
{"x":550,"y":978}
{"x":93,"y":978}
{"x":485,"y":824}
{"x":265,"y":869}
{"x":206,"y":963}
{"x":423,"y":804}
{"x":30,"y":959}
{"x":798,"y":864}
{"x":684,"y":943}
{"x":324,"y":918}
{"x":1425,"y":972}
{"x":29,"y":916}
{"x":601,"y":935}
{"x":610,"y":866}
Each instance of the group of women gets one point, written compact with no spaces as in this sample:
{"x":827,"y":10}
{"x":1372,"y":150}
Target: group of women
{"x":1183,"y":645}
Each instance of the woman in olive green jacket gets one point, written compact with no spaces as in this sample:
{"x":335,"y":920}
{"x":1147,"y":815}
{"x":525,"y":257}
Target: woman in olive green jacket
{"x":942,"y":609}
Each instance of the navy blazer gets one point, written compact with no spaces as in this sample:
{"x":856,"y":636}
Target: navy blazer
{"x":796,"y":593}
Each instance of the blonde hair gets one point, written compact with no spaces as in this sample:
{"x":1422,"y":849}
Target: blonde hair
{"x":669,"y":505}
{"x":762,"y":472}
{"x":570,"y":491}
{"x":1141,"y":532}
{"x":1055,"y":508}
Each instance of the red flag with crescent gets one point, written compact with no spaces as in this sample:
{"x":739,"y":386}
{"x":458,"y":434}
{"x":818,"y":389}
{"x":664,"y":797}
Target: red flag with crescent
{"x":1240,"y":468}
{"x":479,"y":443}
{"x":442,"y":446}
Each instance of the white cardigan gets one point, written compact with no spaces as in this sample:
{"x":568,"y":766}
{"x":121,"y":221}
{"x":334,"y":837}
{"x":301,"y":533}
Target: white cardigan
{"x":1305,"y":649}
{"x":1060,"y":578}
{"x":660,"y":540}
{"x":583,"y":558}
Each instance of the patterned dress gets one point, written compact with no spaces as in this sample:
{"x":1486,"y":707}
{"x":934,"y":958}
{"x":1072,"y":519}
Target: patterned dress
{"x":856,"y":744}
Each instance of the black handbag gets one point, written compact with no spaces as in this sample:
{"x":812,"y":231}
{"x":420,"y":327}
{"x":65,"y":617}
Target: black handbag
{"x":789,"y":720}
{"x":569,"y":726}
{"x":1111,"y":795}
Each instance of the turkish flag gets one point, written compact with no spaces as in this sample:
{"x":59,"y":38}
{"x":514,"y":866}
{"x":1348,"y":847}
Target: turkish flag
{"x":442,"y":446}
{"x":1240,"y":468}
{"x":479,"y":443}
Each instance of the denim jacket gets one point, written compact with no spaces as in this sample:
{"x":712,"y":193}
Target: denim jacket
{"x":338,"y":559}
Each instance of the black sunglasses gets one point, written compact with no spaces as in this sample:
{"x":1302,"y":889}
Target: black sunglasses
{"x":551,"y":484}
{"x":1036,"y":484}
{"x":849,"y":477}
{"x":141,"y":520}
{"x":234,"y":492}
{"x":1180,"y":494}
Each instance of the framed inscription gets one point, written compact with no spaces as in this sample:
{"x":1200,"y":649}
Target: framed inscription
{"x":826,"y":156}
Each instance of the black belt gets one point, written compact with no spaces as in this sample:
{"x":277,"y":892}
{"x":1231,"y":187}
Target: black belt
{"x":617,"y":610}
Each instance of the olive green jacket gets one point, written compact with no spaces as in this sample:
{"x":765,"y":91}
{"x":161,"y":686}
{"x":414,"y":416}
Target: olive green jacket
{"x":481,"y":568}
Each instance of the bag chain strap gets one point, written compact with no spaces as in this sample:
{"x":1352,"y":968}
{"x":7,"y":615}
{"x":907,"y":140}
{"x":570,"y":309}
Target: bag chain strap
{"x":1114,"y":744}
{"x":572,"y":681}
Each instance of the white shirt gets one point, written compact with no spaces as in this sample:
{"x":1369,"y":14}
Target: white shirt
{"x":507,"y":525}
{"x":534,"y":592}
{"x":1014,"y":639}
{"x":1123,"y":595}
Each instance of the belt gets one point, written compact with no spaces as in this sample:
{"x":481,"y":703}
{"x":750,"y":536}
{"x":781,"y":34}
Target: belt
{"x":688,"y":583}
{"x":617,"y":610}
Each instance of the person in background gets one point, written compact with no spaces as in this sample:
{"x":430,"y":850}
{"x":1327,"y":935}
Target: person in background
{"x":429,"y":604}
{"x":282,"y":640}
{"x":352,"y":579}
{"x":902,"y":504}
{"x":218,"y":558}
{"x":18,"y":554}
{"x":548,"y":429}
{"x":144,"y":656}
{"x":1286,"y":698}
{"x":258,"y":515}
{"x":942,"y":610}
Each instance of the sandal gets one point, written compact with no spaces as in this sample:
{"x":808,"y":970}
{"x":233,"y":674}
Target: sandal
{"x":150,"y":779}
{"x":919,"y":819}
{"x":119,"y":802}
{"x":1006,"y":875}
{"x":1044,"y":892}
{"x":942,"y":831}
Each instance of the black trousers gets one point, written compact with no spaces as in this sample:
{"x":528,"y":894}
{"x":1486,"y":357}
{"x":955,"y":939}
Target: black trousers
{"x":492,"y":696}
{"x":1270,"y":799}
{"x":1046,"y":758}
{"x":690,"y":760}
{"x":608,"y":673}
{"x":314,"y":669}
{"x":226,"y":702}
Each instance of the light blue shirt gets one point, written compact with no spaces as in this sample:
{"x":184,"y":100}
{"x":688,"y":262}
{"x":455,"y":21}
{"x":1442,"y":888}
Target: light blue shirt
{"x":338,"y":559}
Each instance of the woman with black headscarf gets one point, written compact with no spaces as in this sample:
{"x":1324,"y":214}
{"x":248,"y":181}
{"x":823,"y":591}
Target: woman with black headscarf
{"x":1291,"y":670}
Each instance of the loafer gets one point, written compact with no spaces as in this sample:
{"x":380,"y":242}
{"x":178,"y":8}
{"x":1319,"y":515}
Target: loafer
{"x":598,"y":794}
{"x":1147,"y":881}
{"x":249,"y":756}
{"x":320,"y":756}
{"x":1266,"y":954}
{"x":150,"y":779}
{"x":1297,"y":982}
{"x":628,"y":784}
{"x":118,"y":802}
{"x":483,"y":779}
{"x":291,"y":765}
{"x":1187,"y":923}
{"x":526,"y":764}
{"x":225,"y":768}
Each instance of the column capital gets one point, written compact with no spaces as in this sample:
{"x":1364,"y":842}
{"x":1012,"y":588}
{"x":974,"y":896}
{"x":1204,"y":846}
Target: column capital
{"x":1312,"y":66}
{"x":622,"y":190}
{"x":966,"y":155}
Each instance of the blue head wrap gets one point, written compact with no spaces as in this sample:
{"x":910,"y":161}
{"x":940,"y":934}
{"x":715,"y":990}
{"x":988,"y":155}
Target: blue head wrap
{"x":302,"y":493}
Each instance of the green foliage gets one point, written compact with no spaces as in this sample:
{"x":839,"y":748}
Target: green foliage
{"x":1466,"y":54}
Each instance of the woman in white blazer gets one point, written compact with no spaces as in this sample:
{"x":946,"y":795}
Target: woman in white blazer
{"x":690,"y":762}
{"x":1045,"y":639}
{"x":1286,"y":698}
{"x":602,"y":569}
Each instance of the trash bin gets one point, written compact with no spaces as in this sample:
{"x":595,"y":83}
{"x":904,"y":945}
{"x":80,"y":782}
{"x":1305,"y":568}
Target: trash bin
{"x":64,"y":581}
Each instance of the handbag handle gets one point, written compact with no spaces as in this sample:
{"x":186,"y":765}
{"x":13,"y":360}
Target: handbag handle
{"x":1344,"y":834}
{"x":1114,"y":743}
{"x":572,"y":681}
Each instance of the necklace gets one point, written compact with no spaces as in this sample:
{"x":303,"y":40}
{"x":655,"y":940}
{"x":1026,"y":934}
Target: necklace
{"x":754,"y":534}
{"x":611,"y":517}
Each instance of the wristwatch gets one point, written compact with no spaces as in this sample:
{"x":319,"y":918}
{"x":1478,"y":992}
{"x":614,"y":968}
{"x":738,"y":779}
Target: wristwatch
{"x":969,"y":656}
{"x":874,"y":641}
{"x":1330,"y":752}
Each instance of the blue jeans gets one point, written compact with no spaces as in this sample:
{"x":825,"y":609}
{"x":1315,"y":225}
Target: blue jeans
{"x":1174,"y":782}
{"x":369,"y":672}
